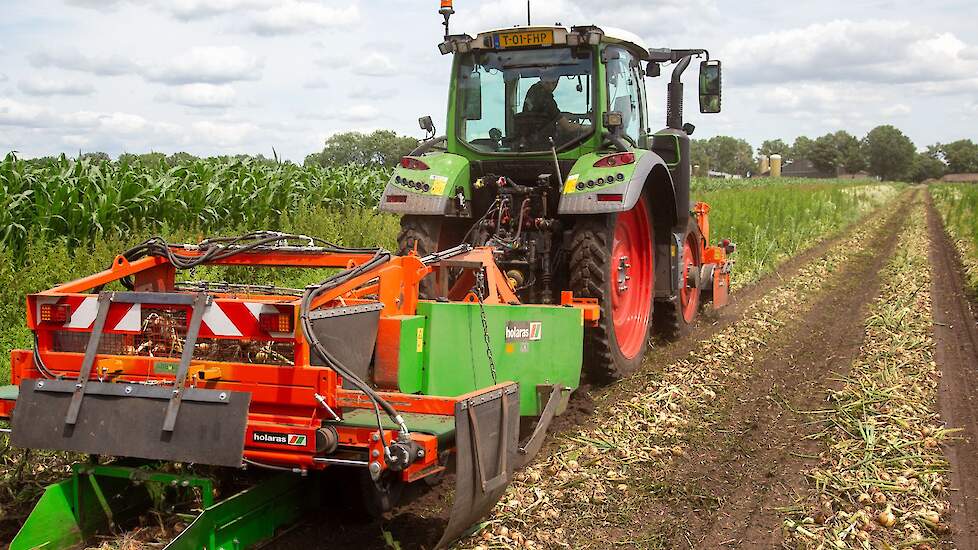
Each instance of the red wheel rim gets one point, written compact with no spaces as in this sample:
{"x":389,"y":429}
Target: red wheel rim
{"x":632,"y":279}
{"x":689,"y":294}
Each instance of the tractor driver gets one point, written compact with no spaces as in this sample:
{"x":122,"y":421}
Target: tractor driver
{"x":540,"y":101}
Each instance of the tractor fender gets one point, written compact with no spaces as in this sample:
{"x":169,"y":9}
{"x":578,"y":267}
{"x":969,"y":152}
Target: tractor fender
{"x":649,"y":171}
{"x":436,"y":185}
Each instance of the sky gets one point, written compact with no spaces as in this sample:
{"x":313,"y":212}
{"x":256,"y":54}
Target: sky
{"x":255,"y":76}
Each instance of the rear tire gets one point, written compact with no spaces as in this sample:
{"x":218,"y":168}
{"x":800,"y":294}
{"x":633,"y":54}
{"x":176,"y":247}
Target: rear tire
{"x":425,"y":234}
{"x":674,"y":319}
{"x":611,"y":259}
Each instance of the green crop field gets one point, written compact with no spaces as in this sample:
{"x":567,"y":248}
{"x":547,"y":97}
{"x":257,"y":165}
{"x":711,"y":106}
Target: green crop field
{"x":79,"y":201}
{"x":66,"y":218}
{"x":958,"y":206}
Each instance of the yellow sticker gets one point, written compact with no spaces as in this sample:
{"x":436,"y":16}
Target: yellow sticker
{"x":438,"y":184}
{"x":571,"y":184}
{"x":420,"y":339}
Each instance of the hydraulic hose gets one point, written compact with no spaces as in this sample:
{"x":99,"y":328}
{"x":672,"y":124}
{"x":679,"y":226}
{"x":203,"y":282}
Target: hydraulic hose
{"x":216,"y":249}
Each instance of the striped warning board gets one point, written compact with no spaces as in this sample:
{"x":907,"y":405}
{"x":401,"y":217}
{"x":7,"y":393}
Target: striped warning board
{"x":222,"y":318}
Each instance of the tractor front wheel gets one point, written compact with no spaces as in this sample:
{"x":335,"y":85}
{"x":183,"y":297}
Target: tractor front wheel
{"x":611,"y":259}
{"x":673,"y":319}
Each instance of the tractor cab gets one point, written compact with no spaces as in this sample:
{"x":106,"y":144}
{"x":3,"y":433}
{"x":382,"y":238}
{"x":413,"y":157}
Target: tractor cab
{"x":531,"y":90}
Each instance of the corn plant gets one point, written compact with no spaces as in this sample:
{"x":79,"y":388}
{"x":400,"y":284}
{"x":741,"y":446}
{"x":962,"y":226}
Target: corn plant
{"x":82,"y":200}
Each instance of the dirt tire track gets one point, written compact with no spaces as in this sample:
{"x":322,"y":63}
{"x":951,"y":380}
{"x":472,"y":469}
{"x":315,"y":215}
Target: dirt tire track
{"x":745,"y":476}
{"x":956,"y":336}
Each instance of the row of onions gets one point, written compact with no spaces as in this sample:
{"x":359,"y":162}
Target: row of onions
{"x":882,"y":479}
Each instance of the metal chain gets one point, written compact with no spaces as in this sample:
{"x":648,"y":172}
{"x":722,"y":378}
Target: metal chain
{"x":479,"y":280}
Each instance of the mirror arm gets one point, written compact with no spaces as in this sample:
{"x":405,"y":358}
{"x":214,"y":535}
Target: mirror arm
{"x":616,"y":140}
{"x":427,"y":145}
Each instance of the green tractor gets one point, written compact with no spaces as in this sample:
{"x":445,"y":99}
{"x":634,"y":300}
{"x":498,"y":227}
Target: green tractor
{"x":549,"y":158}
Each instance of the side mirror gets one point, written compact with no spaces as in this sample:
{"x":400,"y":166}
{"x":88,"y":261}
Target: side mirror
{"x":472,"y":98}
{"x":426,"y":124}
{"x":710,"y":87}
{"x":653,"y":69}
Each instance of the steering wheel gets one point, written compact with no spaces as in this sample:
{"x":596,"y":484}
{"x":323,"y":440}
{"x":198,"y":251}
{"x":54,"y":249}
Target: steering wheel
{"x":578,"y":118}
{"x":534,"y":126}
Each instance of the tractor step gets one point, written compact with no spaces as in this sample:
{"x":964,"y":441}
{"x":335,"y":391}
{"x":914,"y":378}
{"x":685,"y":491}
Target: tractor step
{"x":105,"y":499}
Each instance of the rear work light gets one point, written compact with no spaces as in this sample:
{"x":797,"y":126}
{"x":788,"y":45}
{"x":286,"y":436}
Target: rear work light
{"x":411,"y":163}
{"x":275,"y":322}
{"x":617,"y":159}
{"x":55,"y":313}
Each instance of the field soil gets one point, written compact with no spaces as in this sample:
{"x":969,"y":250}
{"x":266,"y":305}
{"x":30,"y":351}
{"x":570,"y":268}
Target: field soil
{"x":956,"y":335}
{"x":739,"y":474}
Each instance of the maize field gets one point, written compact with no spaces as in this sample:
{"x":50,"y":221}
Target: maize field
{"x":79,"y":201}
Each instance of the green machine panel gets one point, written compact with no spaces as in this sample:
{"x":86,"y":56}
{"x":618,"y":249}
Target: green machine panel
{"x":531,"y":345}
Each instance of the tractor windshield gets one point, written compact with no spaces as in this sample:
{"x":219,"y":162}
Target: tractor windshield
{"x":518,"y":101}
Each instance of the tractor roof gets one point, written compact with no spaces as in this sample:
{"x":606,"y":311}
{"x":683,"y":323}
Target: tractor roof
{"x":611,"y":35}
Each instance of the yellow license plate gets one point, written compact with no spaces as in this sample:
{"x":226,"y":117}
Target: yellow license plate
{"x":523,"y":39}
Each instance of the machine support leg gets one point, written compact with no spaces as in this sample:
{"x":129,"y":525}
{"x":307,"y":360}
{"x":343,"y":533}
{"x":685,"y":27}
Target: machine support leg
{"x":190,"y":342}
{"x":104,"y":301}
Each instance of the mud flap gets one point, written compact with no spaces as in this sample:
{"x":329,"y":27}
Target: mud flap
{"x":127,"y":420}
{"x":487,"y":425}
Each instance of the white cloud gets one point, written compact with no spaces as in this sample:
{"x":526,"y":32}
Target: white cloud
{"x":843,"y":50}
{"x":374,"y":64}
{"x":200,"y":95}
{"x":359,"y":113}
{"x":79,"y":141}
{"x":187,"y":10}
{"x":49,"y":86}
{"x":96,"y":4}
{"x":224,"y":134}
{"x":210,"y":65}
{"x":370,"y":92}
{"x":25,"y":115}
{"x":122,"y":123}
{"x":808,"y":100}
{"x":318,"y":83}
{"x":897,"y":109}
{"x":299,"y":16}
{"x":75,"y":60}
{"x":354,"y":113}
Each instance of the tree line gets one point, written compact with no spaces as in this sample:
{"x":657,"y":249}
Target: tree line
{"x":884,"y":152}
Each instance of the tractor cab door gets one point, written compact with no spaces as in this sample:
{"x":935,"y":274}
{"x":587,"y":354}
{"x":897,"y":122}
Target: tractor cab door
{"x":626,"y":93}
